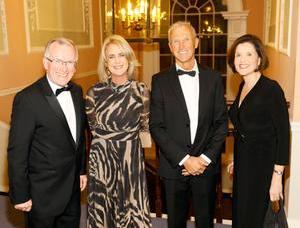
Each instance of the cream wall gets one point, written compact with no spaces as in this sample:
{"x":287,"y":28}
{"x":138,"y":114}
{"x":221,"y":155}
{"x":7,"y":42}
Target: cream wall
{"x":282,"y":66}
{"x":4,"y":129}
{"x":296,"y":85}
{"x":293,"y":199}
{"x":286,"y":70}
{"x":255,"y":17}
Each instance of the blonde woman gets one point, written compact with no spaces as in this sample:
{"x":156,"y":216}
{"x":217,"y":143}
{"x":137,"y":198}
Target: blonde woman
{"x":117,"y":109}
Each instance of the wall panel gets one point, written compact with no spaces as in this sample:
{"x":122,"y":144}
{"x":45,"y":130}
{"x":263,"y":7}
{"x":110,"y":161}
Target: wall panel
{"x":68,"y":18}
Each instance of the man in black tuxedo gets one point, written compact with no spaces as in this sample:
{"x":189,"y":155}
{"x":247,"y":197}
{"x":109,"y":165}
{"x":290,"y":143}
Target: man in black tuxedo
{"x":46,"y":150}
{"x":188,"y":121}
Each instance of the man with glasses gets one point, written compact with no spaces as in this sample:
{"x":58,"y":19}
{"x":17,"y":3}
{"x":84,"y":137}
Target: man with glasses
{"x":46,"y":151}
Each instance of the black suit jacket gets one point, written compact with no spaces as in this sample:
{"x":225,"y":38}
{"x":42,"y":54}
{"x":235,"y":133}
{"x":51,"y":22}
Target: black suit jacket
{"x":170,"y":124}
{"x":44,"y":162}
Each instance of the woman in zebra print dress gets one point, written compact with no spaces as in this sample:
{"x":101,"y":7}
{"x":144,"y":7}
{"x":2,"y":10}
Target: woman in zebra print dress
{"x":117,"y":109}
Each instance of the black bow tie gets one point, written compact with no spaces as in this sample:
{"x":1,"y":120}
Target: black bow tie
{"x":66,"y":88}
{"x":190,"y":73}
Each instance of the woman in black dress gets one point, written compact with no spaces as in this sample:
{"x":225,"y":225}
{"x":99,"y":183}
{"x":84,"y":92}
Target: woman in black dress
{"x":261,"y":125}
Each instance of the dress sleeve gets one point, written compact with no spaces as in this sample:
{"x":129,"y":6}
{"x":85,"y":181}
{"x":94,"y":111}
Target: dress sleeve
{"x":280,"y":119}
{"x":144,"y":119}
{"x":90,"y":109}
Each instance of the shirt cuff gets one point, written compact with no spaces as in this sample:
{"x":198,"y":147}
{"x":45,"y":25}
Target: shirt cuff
{"x":184,"y":159}
{"x":207,"y":159}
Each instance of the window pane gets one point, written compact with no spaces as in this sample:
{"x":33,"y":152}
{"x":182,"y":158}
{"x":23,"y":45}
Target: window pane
{"x":221,"y":22}
{"x":220,"y":44}
{"x":178,"y":18}
{"x":206,"y":44}
{"x":220,"y":64}
{"x":194,"y":22}
{"x":206,"y":23}
{"x":206,"y":61}
{"x":206,"y":8}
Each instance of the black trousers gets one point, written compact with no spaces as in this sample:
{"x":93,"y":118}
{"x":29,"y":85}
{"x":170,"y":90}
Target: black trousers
{"x":70,"y":218}
{"x":200,"y":190}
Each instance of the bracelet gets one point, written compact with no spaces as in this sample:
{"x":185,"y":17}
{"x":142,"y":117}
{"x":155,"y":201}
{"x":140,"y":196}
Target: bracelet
{"x":278,"y":172}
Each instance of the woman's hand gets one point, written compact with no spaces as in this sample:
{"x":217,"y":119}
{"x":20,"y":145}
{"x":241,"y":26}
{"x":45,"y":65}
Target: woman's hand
{"x":230,"y":168}
{"x":276,"y":188}
{"x":276,"y":183}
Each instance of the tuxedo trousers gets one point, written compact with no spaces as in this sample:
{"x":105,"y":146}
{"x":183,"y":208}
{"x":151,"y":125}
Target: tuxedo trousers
{"x":69,"y":218}
{"x":200,"y":190}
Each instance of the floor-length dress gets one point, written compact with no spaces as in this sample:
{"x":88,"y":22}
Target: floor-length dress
{"x":261,"y":126}
{"x":117,"y":195}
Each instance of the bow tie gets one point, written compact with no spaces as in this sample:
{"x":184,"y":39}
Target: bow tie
{"x":190,"y":73}
{"x":65,"y":88}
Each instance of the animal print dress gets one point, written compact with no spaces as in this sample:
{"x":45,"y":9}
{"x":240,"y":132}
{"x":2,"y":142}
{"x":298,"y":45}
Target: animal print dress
{"x":118,"y":195}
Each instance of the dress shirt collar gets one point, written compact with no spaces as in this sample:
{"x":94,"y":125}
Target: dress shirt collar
{"x":53,"y":86}
{"x":195,"y":68}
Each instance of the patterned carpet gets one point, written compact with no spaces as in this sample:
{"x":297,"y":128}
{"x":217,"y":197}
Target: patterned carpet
{"x":11,"y":218}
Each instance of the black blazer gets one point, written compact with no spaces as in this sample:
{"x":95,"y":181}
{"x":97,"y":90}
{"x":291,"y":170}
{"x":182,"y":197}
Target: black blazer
{"x":44,"y":161}
{"x":170,"y":124}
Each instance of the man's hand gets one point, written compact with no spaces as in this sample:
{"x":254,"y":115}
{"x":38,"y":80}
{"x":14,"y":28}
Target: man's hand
{"x":230,"y":168}
{"x":83,"y":182}
{"x":194,"y":167}
{"x":24,"y":206}
{"x":204,"y":165}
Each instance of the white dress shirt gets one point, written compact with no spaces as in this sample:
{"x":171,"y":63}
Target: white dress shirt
{"x":66,"y":103}
{"x":190,"y":89}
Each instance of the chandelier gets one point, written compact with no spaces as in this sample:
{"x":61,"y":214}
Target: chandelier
{"x":208,"y":28}
{"x":140,"y":16}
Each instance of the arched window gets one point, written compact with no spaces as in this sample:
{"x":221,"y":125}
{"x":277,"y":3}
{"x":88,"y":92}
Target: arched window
{"x":211,"y":28}
{"x":211,"y":18}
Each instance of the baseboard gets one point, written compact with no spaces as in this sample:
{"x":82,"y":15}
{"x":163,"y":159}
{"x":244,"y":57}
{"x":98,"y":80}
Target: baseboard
{"x":293,"y":223}
{"x":4,"y":131}
{"x":3,"y":194}
{"x":165,"y":216}
{"x":295,"y":126}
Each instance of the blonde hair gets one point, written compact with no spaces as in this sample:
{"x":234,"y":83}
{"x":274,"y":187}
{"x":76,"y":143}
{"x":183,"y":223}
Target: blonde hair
{"x":61,"y":41}
{"x":181,"y":24}
{"x":103,"y":71}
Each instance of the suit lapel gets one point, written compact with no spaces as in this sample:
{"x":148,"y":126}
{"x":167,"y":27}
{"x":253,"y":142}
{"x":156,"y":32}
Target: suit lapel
{"x":202,"y":95}
{"x":176,"y":87}
{"x":54,"y":104}
{"x":203,"y":99}
{"x":77,"y":107}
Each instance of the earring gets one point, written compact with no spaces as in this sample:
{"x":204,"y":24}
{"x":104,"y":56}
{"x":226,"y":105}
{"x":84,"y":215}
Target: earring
{"x":257,"y":68}
{"x":107,"y":71}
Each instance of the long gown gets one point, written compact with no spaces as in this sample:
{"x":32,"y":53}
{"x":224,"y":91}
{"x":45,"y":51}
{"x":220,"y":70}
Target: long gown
{"x":117,"y":195}
{"x":261,"y":126}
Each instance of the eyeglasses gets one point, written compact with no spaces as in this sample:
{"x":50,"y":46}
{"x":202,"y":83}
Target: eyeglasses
{"x":59,"y":62}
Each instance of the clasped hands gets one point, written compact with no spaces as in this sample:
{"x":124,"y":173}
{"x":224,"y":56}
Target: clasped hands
{"x":194,"y":166}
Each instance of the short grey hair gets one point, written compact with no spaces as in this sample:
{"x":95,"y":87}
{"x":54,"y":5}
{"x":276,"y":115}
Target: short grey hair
{"x":61,"y":41}
{"x":181,"y":24}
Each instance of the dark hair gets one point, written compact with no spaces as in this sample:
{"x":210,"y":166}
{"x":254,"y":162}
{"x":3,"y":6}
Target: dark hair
{"x":259,"y":48}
